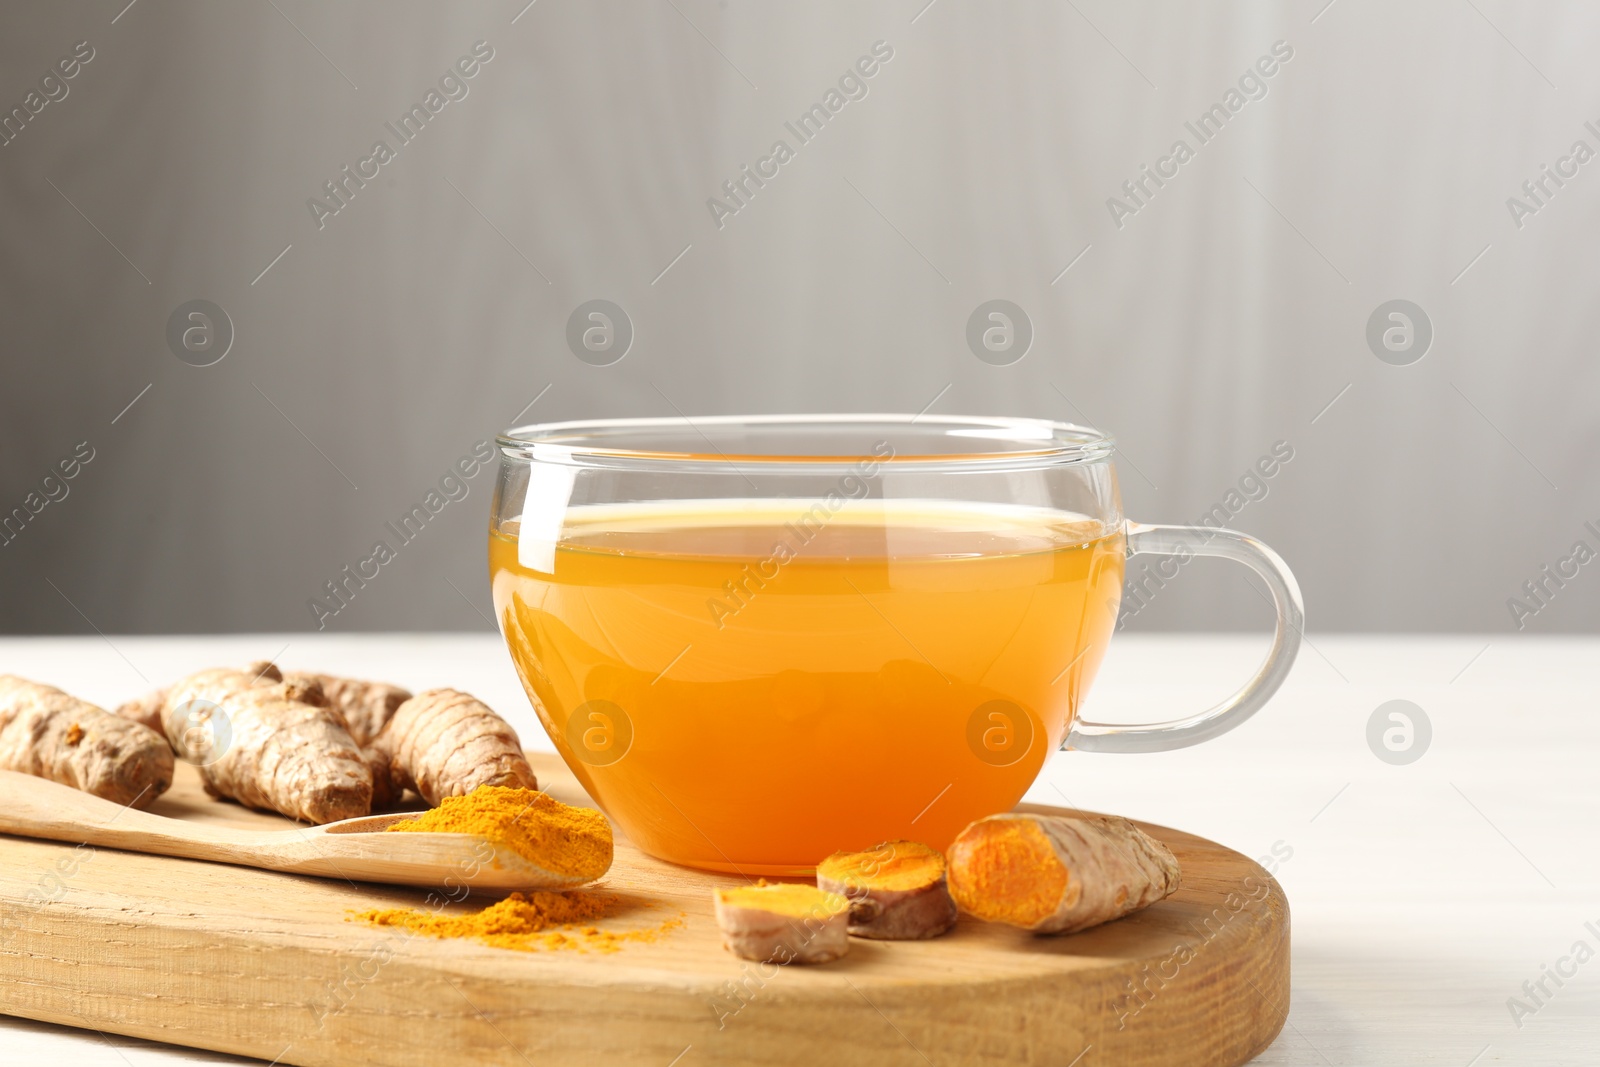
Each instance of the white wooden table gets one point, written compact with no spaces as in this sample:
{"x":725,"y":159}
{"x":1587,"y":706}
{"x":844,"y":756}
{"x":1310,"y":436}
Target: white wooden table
{"x":1424,"y":895}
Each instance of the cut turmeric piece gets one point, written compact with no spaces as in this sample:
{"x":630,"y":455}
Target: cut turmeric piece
{"x":784,"y":923}
{"x":50,"y":734}
{"x":574,"y":842}
{"x":1057,"y":874}
{"x":897,"y":891}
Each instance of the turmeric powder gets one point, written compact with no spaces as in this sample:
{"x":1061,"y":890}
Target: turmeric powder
{"x":575,"y":842}
{"x":527,"y":922}
{"x":1057,"y":874}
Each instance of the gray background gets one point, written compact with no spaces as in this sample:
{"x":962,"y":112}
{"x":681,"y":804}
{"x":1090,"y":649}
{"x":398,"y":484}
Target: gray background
{"x":1223,"y":317}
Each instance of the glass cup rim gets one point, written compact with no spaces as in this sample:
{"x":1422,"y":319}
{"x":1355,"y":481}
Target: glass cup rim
{"x":602,"y":442}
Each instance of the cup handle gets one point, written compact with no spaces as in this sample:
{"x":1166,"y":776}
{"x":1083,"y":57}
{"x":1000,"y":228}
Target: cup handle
{"x":1184,"y":543}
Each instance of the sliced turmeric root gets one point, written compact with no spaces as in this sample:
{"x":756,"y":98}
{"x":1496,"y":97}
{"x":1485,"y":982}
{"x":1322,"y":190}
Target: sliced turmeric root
{"x":1056,"y":874}
{"x":897,"y":891}
{"x":784,"y":923}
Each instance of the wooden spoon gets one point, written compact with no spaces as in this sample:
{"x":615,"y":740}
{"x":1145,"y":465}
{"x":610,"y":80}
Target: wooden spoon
{"x":354,"y":850}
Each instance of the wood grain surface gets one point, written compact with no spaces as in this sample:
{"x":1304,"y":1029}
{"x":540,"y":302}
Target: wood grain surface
{"x":267,"y":965}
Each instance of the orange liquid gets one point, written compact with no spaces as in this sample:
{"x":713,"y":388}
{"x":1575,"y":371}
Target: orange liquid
{"x":744,"y":692}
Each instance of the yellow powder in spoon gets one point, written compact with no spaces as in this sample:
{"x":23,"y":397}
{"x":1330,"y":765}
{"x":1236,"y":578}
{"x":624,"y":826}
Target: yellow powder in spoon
{"x":572,"y":842}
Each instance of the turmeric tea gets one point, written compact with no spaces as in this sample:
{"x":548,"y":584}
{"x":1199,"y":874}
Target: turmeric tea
{"x":573,"y":842}
{"x":1001,"y":599}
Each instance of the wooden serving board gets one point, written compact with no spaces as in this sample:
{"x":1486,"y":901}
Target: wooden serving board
{"x":266,"y":965}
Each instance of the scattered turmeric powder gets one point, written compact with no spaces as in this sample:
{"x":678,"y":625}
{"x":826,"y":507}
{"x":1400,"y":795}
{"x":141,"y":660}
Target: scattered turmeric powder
{"x":528,"y":922}
{"x":1057,"y":874}
{"x":575,"y":842}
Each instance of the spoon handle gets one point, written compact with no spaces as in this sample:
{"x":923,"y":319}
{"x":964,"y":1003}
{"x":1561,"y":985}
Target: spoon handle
{"x":38,"y":807}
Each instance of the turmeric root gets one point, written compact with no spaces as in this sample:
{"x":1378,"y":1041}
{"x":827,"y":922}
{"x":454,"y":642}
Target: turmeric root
{"x":445,"y":743}
{"x":268,"y":744}
{"x":50,"y":734}
{"x":146,"y":710}
{"x":897,"y":891}
{"x":784,"y":923}
{"x":386,"y":790}
{"x":1056,"y":874}
{"x":366,"y":707}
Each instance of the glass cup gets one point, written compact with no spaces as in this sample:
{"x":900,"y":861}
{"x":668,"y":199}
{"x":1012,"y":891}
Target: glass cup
{"x":760,"y":640}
